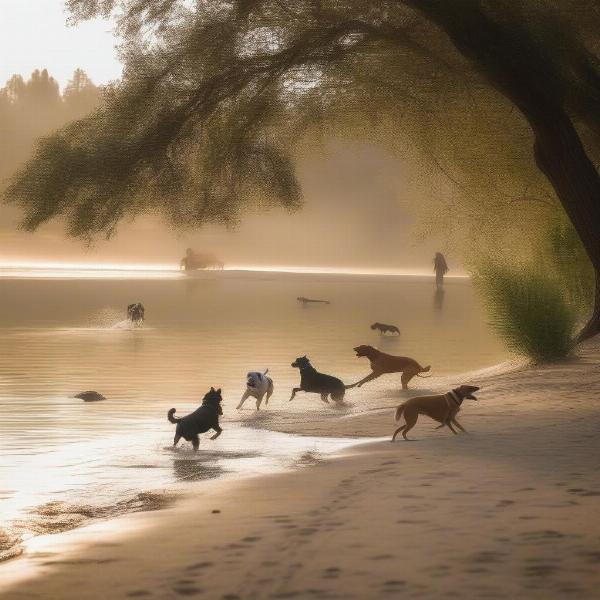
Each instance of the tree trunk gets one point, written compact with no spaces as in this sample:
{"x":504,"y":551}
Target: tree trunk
{"x":520,"y":73}
{"x":592,"y":327}
{"x":560,"y":155}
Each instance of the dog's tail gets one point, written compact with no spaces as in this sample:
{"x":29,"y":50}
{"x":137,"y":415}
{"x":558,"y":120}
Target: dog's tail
{"x":266,"y":372}
{"x":425,"y":370}
{"x":171,"y":417}
{"x":399,"y":412}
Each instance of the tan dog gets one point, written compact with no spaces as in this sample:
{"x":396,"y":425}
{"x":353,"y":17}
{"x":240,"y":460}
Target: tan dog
{"x":382,"y":363}
{"x":442,"y":408}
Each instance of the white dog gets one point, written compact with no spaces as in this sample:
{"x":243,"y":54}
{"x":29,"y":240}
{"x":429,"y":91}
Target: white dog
{"x":257,"y":385}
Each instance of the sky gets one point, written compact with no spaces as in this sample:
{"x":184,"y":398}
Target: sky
{"x":34,"y":34}
{"x":351,"y":218}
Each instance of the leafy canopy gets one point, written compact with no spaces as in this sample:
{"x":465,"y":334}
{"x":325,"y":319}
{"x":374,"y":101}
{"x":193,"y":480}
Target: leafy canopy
{"x":216,"y":95}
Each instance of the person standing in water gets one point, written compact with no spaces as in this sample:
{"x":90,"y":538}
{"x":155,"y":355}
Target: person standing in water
{"x":440,"y":268}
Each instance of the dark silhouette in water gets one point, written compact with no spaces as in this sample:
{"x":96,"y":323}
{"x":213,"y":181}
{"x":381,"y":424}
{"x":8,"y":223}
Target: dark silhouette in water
{"x":306,"y":301}
{"x":90,"y":396}
{"x":440,"y":268}
{"x":195,"y":470}
{"x":313,"y":381}
{"x":136,"y":313}
{"x":193,"y":261}
{"x":200,"y":421}
{"x":383,"y":328}
{"x":438,"y":299}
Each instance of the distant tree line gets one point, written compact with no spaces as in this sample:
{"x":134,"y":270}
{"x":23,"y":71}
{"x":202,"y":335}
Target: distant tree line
{"x":35,"y":107}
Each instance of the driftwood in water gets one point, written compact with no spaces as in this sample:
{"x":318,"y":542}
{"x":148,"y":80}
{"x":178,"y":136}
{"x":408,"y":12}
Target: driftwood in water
{"x":305,"y":301}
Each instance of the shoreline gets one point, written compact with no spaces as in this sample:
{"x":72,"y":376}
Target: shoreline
{"x":371,"y":421}
{"x":172,"y":272}
{"x":57,"y":492}
{"x":62,"y":514}
{"x":509,"y":510}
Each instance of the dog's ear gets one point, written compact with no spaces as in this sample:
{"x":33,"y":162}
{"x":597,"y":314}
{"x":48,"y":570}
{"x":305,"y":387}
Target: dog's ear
{"x":219,"y":391}
{"x":212,"y":389}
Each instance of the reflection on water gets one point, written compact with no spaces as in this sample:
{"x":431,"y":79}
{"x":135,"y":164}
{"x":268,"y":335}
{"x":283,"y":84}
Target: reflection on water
{"x":112,"y":474}
{"x":438,"y":299}
{"x":195,"y":470}
{"x":84,"y":460}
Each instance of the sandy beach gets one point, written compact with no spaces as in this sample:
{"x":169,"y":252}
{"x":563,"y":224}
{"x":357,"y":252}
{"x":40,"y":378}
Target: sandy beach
{"x":509,"y":510}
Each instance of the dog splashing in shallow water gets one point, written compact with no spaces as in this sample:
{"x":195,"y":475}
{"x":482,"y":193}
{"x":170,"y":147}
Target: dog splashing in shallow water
{"x":257,"y":385}
{"x":313,"y":381}
{"x":136,"y":313}
{"x":200,"y":421}
{"x":382,"y":363}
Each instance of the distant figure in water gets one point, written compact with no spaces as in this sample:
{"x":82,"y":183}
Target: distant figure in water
{"x":188,"y":262}
{"x":440,"y":268}
{"x":135,"y":313}
{"x":193,"y":261}
{"x":306,"y":301}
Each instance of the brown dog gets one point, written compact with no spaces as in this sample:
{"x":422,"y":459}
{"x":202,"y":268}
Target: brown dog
{"x":442,"y":408}
{"x":382,"y":363}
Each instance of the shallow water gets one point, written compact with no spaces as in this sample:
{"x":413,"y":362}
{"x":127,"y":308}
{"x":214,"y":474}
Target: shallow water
{"x":63,"y":461}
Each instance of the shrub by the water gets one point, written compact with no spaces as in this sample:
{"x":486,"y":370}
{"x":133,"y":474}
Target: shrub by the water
{"x":569,"y":260}
{"x":528,"y":309}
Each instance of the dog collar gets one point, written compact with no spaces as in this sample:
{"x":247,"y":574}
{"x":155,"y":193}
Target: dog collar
{"x":457,"y":399}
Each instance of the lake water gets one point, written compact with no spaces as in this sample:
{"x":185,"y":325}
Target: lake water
{"x":64,"y":462}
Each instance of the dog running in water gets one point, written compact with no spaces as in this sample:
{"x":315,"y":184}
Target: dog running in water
{"x":383,"y":328}
{"x":442,"y":408}
{"x":136,"y":313}
{"x":382,"y":363}
{"x":257,"y":385}
{"x":313,"y":381}
{"x":200,"y":421}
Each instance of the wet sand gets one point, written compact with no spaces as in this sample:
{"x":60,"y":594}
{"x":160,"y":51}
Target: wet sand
{"x":507,"y":510}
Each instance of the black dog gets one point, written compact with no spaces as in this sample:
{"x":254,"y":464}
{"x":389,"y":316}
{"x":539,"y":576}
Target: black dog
{"x":135,"y":313}
{"x":200,"y":421}
{"x":383,"y":328}
{"x":313,"y":381}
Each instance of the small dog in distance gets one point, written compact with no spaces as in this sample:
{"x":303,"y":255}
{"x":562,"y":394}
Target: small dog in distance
{"x":383,"y":328}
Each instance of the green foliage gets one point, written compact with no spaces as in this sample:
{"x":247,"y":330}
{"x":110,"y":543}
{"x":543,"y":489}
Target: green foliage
{"x":528,"y":308}
{"x":216,"y":94}
{"x":571,"y":265}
